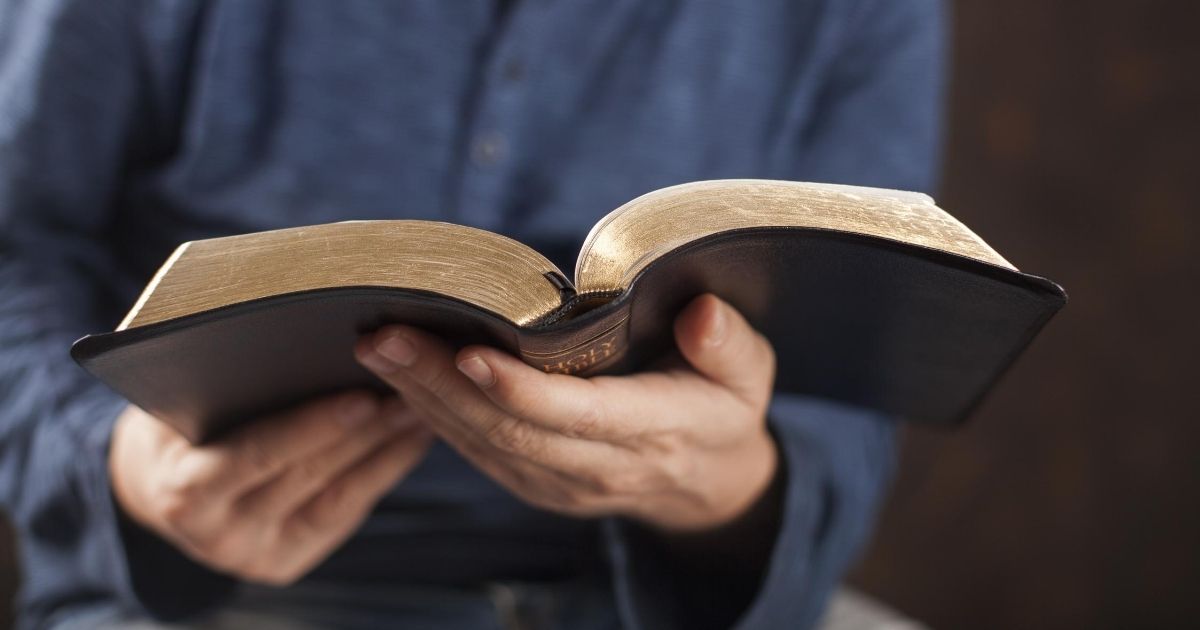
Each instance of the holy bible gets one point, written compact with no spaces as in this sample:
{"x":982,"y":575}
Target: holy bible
{"x":873,"y":297}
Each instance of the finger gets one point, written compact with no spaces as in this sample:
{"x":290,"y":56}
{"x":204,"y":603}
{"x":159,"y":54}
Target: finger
{"x":425,"y":373}
{"x":431,"y":371}
{"x":266,"y":447}
{"x":720,"y":344}
{"x":338,"y":509}
{"x":311,"y":533}
{"x":570,"y":489}
{"x":465,"y":437}
{"x":616,"y":410}
{"x":306,"y":478}
{"x":562,"y":479}
{"x":573,"y":406}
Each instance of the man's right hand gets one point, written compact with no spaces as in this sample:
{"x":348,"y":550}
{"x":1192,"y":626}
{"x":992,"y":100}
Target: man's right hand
{"x":270,"y":501}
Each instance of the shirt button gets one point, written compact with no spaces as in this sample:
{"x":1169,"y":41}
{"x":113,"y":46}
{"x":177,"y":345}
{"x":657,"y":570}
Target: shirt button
{"x":489,"y":149}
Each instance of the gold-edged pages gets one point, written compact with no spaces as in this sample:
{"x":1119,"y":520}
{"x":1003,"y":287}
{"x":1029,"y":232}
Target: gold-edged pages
{"x":505,"y":277}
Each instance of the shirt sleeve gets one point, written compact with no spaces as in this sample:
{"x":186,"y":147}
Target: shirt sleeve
{"x":71,"y":126}
{"x":835,"y":463}
{"x":876,"y":123}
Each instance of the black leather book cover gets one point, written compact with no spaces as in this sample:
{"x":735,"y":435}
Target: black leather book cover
{"x":914,"y":332}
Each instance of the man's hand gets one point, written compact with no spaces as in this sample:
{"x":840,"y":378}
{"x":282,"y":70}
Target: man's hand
{"x":270,"y":501}
{"x":685,"y":449}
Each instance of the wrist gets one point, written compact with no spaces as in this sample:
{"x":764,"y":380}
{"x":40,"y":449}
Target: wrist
{"x":739,"y":545}
{"x":727,"y":490}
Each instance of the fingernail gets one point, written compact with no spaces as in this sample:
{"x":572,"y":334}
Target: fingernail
{"x":356,"y":411}
{"x":478,"y":371}
{"x":398,"y":350}
{"x":716,"y":331}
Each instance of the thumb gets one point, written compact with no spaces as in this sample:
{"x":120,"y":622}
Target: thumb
{"x":719,"y":343}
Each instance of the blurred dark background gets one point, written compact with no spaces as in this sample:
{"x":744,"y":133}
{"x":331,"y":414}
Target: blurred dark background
{"x":1071,"y":501}
{"x":1073,"y":498}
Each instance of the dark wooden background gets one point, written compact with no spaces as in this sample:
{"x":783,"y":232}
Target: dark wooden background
{"x":1073,"y":500}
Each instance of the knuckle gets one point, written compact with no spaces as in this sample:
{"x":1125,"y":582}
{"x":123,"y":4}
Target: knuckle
{"x":226,"y":549}
{"x":512,"y":397}
{"x":177,"y":503}
{"x":585,"y":423}
{"x":198,"y":469}
{"x":328,"y":506}
{"x":613,"y":484}
{"x":308,"y":471}
{"x":659,"y":445}
{"x":630,"y":483}
{"x":603,"y":484}
{"x":305,"y":524}
{"x":185,"y":488}
{"x":175,"y":509}
{"x":333,"y":498}
{"x":218,"y":548}
{"x":511,"y":436}
{"x":675,"y":471}
{"x":257,"y":455}
{"x":669,"y":461}
{"x":183,"y":485}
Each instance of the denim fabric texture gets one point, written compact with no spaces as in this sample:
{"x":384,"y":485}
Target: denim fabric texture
{"x":129,"y":126}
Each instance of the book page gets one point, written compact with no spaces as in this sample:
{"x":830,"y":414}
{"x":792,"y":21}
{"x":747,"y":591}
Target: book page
{"x":492,"y":272}
{"x":634,"y":235}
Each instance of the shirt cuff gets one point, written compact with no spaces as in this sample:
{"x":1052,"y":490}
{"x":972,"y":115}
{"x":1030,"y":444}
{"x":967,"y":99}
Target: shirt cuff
{"x":835,"y":461}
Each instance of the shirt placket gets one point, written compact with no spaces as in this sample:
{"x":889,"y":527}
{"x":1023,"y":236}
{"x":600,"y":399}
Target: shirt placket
{"x":493,"y":142}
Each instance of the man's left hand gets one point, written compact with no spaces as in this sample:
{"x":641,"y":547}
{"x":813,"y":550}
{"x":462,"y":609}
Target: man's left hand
{"x":683,"y":449}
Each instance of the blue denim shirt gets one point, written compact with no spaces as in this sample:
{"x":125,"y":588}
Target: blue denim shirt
{"x":127,"y":127}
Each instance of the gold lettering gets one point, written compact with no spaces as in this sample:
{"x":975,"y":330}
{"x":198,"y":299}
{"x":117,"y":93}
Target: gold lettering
{"x":586,"y":358}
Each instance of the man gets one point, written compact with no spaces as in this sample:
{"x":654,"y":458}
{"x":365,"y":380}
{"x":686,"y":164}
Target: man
{"x":484,"y":494}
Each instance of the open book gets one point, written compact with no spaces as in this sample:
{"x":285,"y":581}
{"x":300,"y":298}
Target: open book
{"x":874,"y":297}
